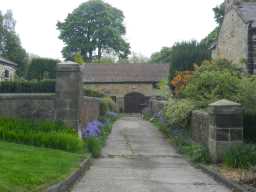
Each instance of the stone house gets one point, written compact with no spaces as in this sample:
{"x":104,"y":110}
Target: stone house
{"x":130,"y":85}
{"x":237,"y":36}
{"x":7,"y":69}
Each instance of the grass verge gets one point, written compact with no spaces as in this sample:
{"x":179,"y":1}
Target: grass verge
{"x":28,"y":169}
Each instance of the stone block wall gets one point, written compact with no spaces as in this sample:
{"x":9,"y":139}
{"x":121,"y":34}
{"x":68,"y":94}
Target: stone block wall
{"x":200,"y":127}
{"x":219,"y":128}
{"x":156,"y":106}
{"x":32,"y":106}
{"x":90,"y":110}
{"x":120,"y":90}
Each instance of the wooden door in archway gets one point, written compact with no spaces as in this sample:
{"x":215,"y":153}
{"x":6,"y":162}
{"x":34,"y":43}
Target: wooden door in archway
{"x":135,"y":102}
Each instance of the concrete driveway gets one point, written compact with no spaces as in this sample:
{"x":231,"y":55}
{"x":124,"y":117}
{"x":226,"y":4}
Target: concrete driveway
{"x":138,"y":158}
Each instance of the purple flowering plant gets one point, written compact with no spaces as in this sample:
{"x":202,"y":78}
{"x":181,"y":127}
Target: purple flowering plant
{"x":92,"y":129}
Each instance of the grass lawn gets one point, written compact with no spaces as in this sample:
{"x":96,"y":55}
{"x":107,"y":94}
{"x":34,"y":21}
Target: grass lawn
{"x":26,"y":169}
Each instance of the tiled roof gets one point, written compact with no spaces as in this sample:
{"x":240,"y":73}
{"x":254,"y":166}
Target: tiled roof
{"x":248,"y":12}
{"x":7,"y":62}
{"x":118,"y":73}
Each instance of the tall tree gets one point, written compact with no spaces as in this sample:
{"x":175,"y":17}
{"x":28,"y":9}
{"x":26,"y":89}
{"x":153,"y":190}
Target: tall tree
{"x":219,"y":12}
{"x":10,"y":45}
{"x":92,"y":29}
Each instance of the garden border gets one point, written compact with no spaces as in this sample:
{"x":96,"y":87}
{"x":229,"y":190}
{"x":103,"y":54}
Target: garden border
{"x":228,"y":183}
{"x":215,"y":175}
{"x":68,"y":183}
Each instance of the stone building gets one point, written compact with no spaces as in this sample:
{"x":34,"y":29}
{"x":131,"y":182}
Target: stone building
{"x":7,"y":69}
{"x":237,"y":37}
{"x":131,"y":85}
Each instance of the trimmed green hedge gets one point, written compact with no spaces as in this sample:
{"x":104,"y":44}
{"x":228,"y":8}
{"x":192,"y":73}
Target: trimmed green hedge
{"x":45,"y":86}
{"x":40,"y":133}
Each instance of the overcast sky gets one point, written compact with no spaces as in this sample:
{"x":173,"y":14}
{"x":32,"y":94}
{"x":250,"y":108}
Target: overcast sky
{"x":150,"y":24}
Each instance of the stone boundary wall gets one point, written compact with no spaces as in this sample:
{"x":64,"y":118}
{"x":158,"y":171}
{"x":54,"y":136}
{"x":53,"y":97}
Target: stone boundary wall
{"x":156,"y":106}
{"x":31,"y":106}
{"x":200,"y":127}
{"x":90,"y":110}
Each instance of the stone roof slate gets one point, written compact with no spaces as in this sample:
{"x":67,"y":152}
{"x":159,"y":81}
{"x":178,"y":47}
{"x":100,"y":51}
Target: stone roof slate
{"x":123,"y":73}
{"x":7,"y":62}
{"x":248,"y":12}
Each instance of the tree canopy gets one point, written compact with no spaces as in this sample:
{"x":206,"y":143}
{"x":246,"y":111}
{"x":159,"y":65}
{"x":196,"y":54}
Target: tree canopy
{"x":10,"y":45}
{"x":182,"y":56}
{"x":93,"y":29}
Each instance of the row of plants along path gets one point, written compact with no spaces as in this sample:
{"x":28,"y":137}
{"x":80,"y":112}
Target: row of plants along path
{"x":207,"y":83}
{"x":35,"y":153}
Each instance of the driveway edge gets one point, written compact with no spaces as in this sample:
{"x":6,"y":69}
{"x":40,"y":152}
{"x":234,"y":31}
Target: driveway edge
{"x":67,"y":184}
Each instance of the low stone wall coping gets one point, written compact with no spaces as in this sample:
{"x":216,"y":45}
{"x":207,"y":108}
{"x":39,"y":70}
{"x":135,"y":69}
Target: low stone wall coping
{"x":27,"y":96}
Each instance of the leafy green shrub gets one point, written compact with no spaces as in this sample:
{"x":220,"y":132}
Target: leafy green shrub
{"x":44,"y":86}
{"x":178,"y":112}
{"x":197,"y":153}
{"x":40,"y":133}
{"x":210,"y":84}
{"x":94,"y":146}
{"x":241,"y":156}
{"x":92,"y":93}
{"x":107,"y":104}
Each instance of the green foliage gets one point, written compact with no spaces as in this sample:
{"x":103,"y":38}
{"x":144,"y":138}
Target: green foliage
{"x":26,"y":168}
{"x":94,"y":28}
{"x":247,"y":94}
{"x":211,"y":38}
{"x":42,"y":68}
{"x":93,"y":145}
{"x":92,"y":93}
{"x":164,"y":56}
{"x":212,"y":81}
{"x":40,"y":133}
{"x":182,"y":56}
{"x":241,"y":156}
{"x":186,"y":54}
{"x":79,"y":59}
{"x":10,"y":45}
{"x":219,"y":12}
{"x":196,"y":152}
{"x":107,"y":104}
{"x":45,"y":86}
{"x":178,"y":112}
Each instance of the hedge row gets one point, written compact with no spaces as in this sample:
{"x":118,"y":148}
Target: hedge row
{"x":40,"y":133}
{"x":45,"y":86}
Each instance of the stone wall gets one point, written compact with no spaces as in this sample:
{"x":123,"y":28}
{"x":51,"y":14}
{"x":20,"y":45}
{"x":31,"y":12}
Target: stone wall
{"x":120,"y":90}
{"x":156,"y":106}
{"x":67,"y":105}
{"x":32,"y":106}
{"x":200,"y":127}
{"x":90,"y":110}
{"x":233,"y":39}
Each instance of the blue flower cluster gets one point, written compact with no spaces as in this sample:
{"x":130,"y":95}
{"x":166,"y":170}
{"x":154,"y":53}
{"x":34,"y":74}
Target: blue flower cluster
{"x":92,"y":129}
{"x":112,"y":114}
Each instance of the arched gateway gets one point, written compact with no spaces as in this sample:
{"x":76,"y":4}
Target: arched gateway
{"x":135,"y":102}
